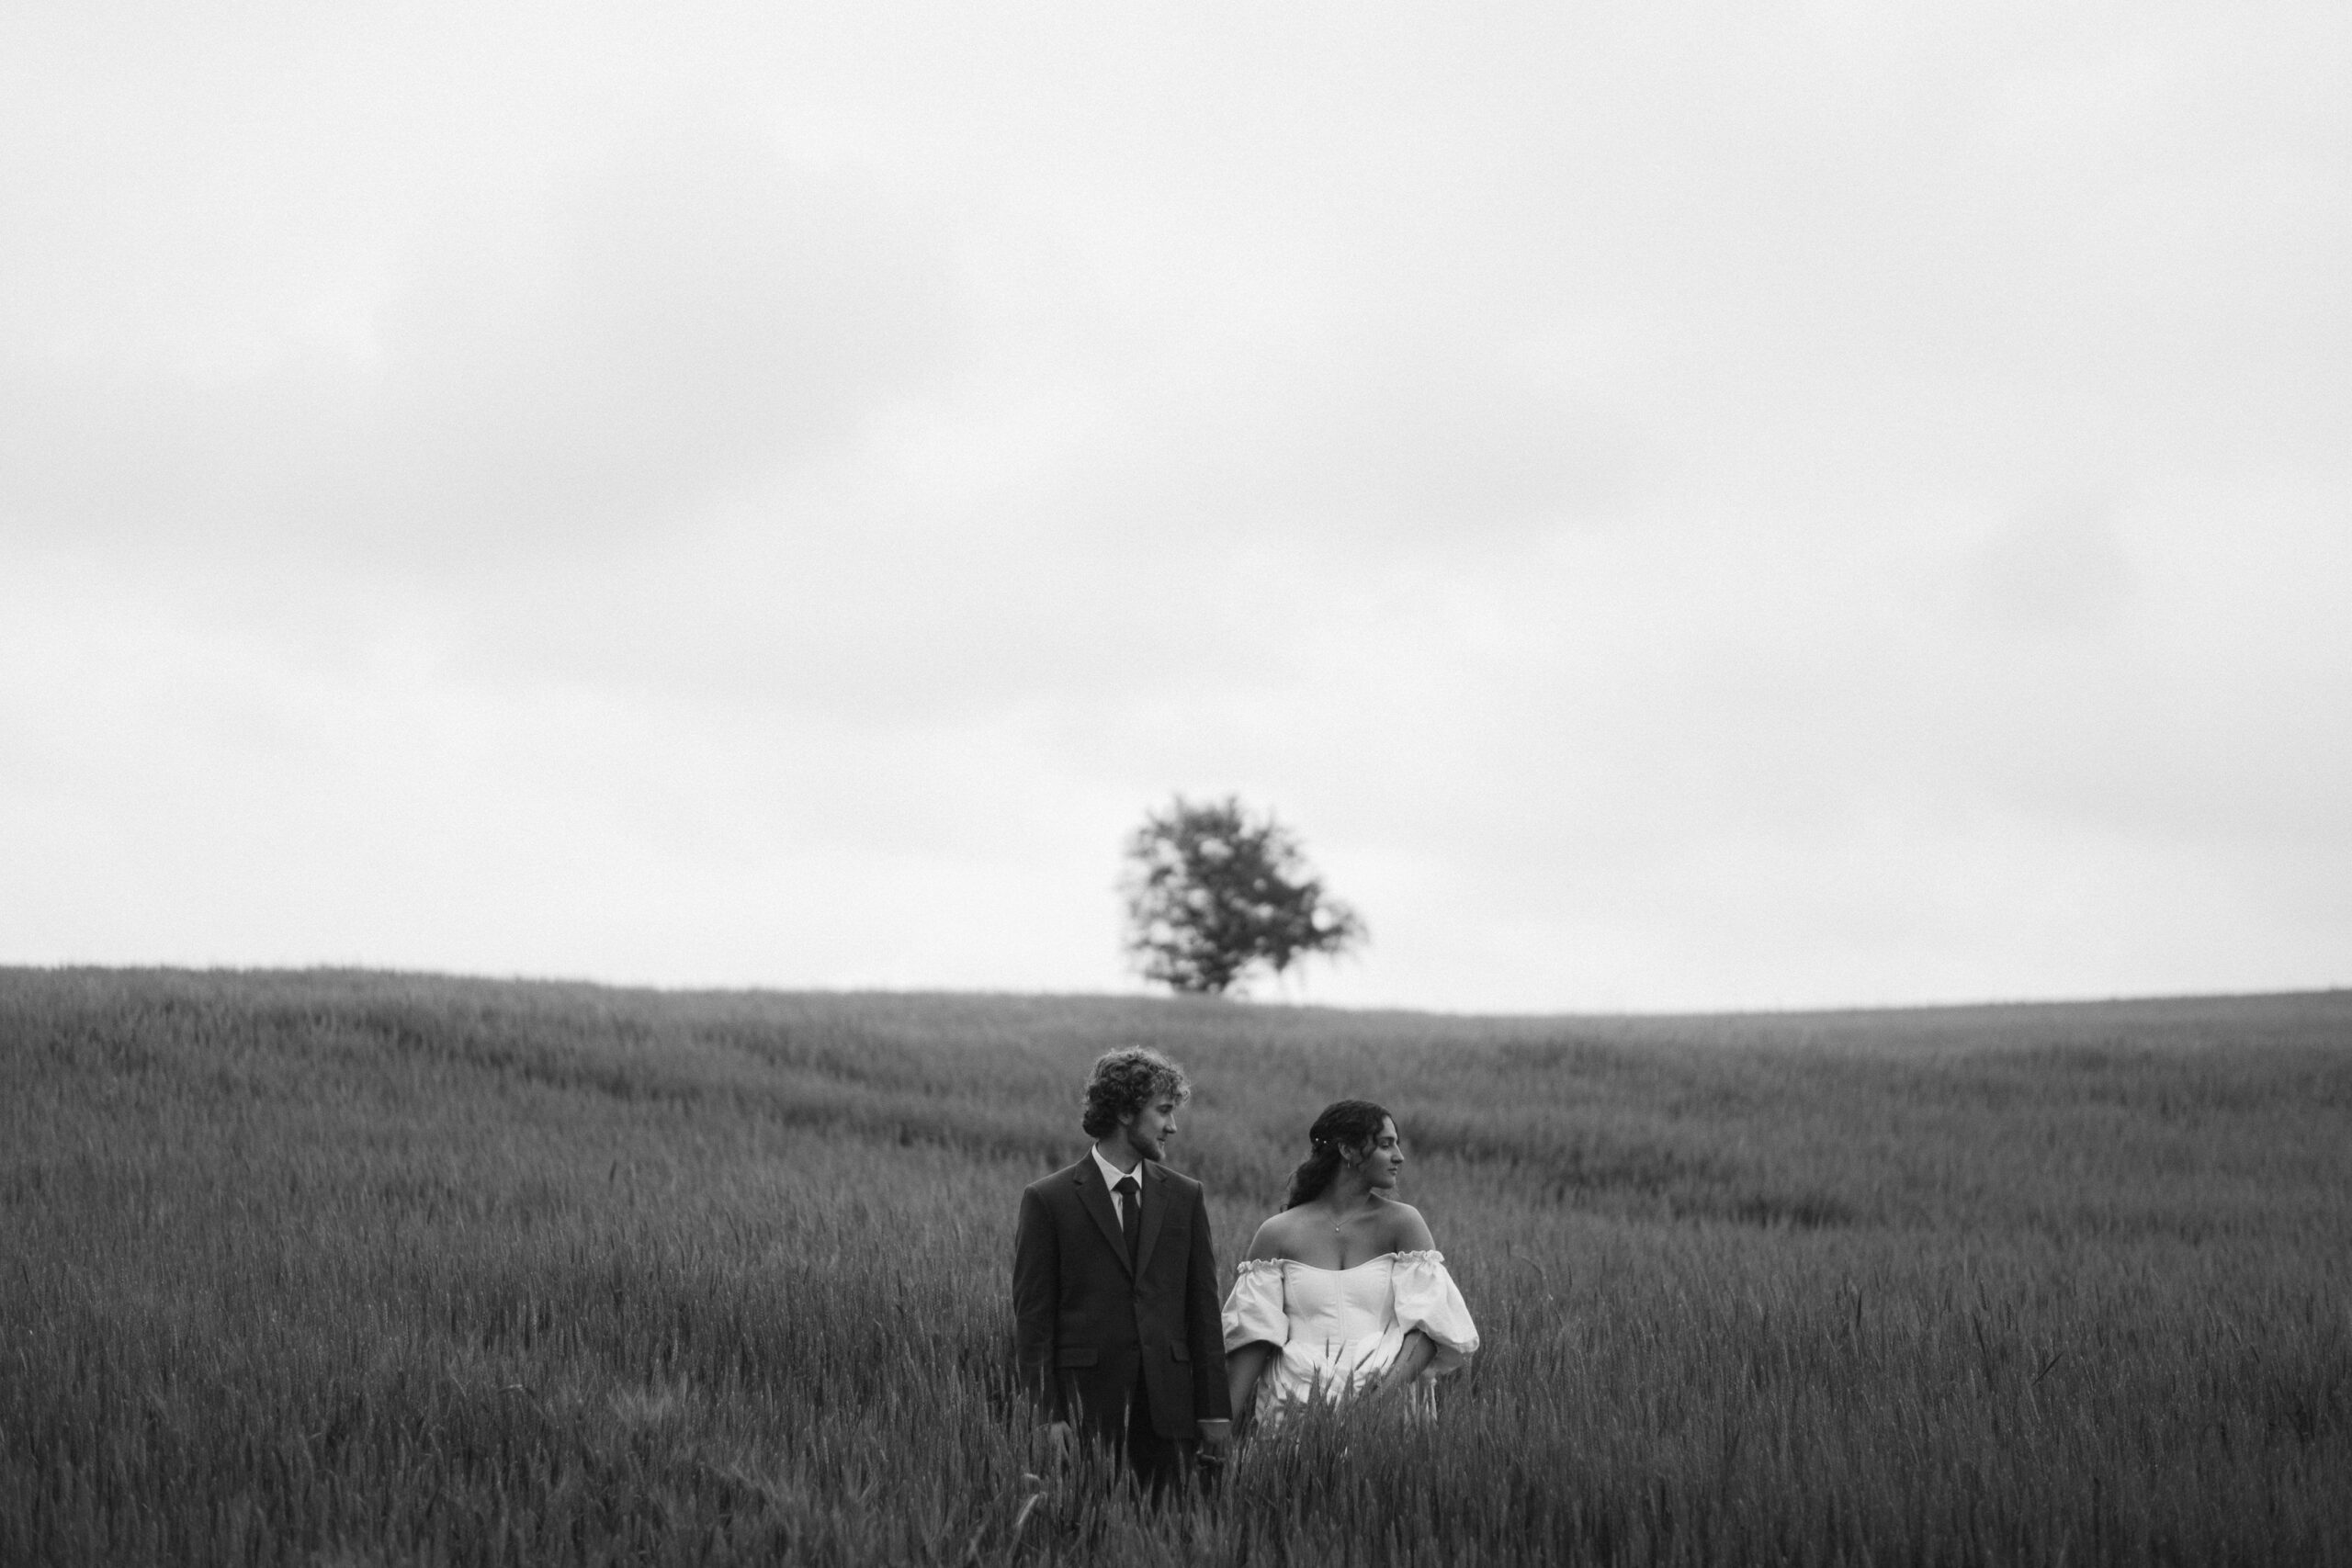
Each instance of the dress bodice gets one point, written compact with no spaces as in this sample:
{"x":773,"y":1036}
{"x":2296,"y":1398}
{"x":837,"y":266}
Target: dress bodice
{"x":1339,"y":1329}
{"x":1337,"y":1307}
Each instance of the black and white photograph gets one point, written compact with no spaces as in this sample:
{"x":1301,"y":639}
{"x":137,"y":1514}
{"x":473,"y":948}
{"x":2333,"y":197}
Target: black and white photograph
{"x":1199,"y":785}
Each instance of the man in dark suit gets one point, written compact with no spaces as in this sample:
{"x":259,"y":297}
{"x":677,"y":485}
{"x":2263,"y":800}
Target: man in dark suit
{"x":1115,"y":1285}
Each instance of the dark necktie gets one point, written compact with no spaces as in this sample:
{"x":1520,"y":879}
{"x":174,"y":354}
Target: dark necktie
{"x":1130,"y":1212}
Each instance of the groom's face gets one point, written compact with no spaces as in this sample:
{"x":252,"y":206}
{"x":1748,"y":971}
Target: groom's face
{"x":1150,"y":1129}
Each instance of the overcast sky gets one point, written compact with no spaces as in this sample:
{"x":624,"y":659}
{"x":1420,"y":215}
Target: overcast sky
{"x":1679,"y":507}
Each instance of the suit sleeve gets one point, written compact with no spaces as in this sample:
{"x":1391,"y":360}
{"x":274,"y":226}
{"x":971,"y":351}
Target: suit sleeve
{"x":1036,"y":1275}
{"x":1204,"y":1323}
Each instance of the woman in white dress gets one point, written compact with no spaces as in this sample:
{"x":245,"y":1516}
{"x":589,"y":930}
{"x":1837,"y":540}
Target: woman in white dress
{"x":1344,"y":1293}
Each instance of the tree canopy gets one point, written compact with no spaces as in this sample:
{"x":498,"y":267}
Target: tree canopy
{"x":1214,"y":890}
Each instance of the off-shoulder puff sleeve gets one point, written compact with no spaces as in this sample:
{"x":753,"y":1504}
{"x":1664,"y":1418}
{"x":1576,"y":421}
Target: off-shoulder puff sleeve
{"x":1253,"y":1309}
{"x":1427,"y":1300}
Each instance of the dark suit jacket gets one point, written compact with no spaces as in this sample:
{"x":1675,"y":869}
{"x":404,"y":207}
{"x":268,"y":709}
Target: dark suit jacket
{"x":1087,"y":1326}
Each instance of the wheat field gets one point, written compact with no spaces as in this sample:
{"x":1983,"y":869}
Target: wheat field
{"x":361,"y":1269}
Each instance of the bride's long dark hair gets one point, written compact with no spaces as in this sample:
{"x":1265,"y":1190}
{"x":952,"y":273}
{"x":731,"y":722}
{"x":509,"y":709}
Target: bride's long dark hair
{"x":1344,"y":1125}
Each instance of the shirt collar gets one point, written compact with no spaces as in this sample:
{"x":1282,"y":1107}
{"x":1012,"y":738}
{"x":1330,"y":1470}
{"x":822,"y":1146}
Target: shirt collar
{"x":1111,"y":1173}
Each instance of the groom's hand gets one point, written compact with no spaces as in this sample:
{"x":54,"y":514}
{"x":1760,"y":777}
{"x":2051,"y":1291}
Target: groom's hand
{"x":1216,"y":1437}
{"x":1054,"y":1437}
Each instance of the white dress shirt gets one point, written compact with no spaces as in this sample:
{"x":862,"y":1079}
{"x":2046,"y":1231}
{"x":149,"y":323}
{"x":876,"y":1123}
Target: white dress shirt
{"x":1111,"y":1176}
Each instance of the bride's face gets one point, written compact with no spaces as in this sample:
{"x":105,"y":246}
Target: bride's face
{"x":1384,"y":1156}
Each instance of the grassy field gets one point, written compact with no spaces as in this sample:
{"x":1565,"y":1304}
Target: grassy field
{"x":362,"y":1268}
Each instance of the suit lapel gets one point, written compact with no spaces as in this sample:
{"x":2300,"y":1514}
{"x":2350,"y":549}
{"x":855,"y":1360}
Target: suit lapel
{"x":1095,"y":1199}
{"x":1155,"y":1209}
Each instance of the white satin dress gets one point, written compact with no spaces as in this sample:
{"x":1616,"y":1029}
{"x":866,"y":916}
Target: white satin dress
{"x":1339,"y":1329}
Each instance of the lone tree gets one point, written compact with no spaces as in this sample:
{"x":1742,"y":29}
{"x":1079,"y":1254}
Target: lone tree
{"x":1212,"y":890}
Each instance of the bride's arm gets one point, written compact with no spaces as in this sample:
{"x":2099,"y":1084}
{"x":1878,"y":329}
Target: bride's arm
{"x":1412,"y":1360}
{"x":1244,"y":1366}
{"x":1242,"y":1370}
{"x":1409,"y":1233}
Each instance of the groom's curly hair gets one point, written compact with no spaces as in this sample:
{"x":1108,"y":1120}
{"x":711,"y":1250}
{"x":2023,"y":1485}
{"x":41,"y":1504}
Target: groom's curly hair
{"x":1126,"y":1080}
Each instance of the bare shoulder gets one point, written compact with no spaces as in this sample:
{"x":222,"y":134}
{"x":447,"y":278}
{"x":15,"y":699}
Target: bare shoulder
{"x":1405,"y":1230}
{"x":1276,"y":1237}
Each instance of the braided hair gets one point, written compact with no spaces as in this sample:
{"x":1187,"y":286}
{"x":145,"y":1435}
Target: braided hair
{"x":1344,"y":1125}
